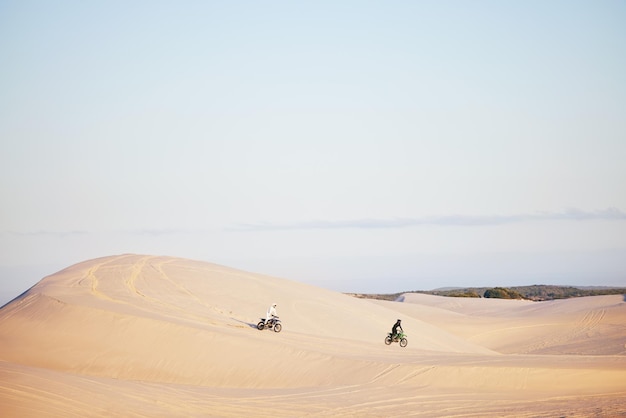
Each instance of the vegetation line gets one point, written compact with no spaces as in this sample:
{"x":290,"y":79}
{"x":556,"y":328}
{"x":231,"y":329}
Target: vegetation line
{"x":534,"y":292}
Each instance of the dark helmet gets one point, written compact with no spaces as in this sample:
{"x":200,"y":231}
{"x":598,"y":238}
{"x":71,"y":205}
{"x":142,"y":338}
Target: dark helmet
{"x":399,"y":320}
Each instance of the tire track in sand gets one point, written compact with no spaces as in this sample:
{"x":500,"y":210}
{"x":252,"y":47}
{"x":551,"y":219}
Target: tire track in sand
{"x":152,"y":262}
{"x":590,"y":320}
{"x":94,"y":283}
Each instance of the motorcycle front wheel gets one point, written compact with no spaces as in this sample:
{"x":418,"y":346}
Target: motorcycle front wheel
{"x":403,"y":342}
{"x":387,"y":340}
{"x":277,"y":327}
{"x":260,"y":326}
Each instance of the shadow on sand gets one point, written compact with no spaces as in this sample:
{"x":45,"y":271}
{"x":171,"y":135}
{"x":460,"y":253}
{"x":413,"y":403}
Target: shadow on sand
{"x":245,"y":323}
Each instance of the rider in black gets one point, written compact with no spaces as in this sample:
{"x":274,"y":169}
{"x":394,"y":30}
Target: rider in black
{"x":395,"y":328}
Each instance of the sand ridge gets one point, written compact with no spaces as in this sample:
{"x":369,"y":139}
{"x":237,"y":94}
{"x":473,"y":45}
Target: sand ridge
{"x":148,"y":335}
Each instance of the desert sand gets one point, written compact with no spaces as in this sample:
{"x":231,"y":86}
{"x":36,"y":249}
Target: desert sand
{"x":150,"y":336}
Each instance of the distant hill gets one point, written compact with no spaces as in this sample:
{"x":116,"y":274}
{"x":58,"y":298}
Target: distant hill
{"x":534,"y":292}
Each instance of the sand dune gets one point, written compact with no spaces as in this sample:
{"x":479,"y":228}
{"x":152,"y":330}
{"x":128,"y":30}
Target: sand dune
{"x":145,"y":336}
{"x":592,"y":325}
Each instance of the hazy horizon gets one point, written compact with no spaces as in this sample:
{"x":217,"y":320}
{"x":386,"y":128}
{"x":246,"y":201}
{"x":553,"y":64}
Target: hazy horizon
{"x":356,"y":146}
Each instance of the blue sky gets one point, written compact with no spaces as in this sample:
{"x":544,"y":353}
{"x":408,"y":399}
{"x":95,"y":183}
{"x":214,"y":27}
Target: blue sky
{"x":360,"y":146}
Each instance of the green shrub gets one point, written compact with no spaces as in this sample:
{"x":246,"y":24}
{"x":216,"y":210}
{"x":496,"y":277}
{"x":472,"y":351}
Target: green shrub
{"x":502,"y":293}
{"x":468,"y":294}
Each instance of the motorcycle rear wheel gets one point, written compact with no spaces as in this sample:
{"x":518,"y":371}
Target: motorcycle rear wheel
{"x":388,"y":340}
{"x":260,"y":326}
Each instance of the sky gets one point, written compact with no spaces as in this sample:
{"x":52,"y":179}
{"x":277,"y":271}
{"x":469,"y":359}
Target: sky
{"x":361,"y":146}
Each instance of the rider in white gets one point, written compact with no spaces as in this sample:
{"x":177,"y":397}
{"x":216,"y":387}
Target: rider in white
{"x":271,"y":312}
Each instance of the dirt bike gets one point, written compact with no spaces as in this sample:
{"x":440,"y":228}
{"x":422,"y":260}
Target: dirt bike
{"x":399,"y":337}
{"x":272,"y":323}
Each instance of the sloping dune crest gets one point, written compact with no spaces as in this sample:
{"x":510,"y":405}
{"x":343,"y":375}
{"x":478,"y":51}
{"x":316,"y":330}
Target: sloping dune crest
{"x":145,"y":336}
